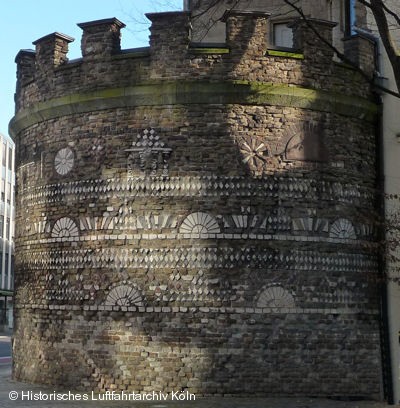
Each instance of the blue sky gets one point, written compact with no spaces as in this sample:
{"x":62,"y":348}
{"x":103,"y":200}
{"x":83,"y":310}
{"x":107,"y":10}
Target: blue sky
{"x":24,"y":21}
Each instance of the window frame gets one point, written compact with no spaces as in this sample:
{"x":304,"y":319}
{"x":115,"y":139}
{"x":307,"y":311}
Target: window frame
{"x":272,"y":40}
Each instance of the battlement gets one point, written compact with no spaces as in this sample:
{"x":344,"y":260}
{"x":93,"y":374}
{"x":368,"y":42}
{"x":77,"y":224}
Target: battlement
{"x":46,"y":72}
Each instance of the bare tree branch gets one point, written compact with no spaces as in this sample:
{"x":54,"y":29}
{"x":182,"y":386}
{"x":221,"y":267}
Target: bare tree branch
{"x":340,"y":55}
{"x":364,"y":3}
{"x":378,"y":10}
{"x":391,"y":13}
{"x":211,"y":5}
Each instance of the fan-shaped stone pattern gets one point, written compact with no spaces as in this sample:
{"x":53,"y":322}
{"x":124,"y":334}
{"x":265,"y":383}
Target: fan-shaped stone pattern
{"x":342,"y":229}
{"x":199,"y":223}
{"x":124,"y":295}
{"x":276,"y":297}
{"x":65,"y":228}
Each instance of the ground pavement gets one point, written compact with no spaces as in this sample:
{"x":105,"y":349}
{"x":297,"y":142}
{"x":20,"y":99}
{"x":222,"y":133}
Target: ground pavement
{"x":15,"y":394}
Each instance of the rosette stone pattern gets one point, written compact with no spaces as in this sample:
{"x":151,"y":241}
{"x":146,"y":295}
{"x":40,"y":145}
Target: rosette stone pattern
{"x":196,"y":218}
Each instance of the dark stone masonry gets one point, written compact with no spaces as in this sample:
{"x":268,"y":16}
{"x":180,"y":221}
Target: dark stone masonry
{"x":196,"y":219}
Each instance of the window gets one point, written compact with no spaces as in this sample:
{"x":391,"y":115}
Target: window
{"x":6,"y":269}
{"x":283,"y":35}
{"x":9,"y":158}
{"x":8,"y":193}
{"x":4,"y":154}
{"x":3,"y":190}
{"x":7,"y":228}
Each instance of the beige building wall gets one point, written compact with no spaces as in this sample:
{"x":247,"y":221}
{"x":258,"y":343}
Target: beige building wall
{"x":390,"y":129}
{"x":391,"y":153}
{"x":7,"y":215}
{"x":208,"y":28}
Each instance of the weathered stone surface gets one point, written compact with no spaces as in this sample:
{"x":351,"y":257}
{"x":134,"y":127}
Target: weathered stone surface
{"x":193,"y":220}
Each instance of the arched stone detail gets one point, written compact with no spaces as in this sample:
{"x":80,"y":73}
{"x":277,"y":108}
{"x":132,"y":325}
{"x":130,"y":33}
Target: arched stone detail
{"x":65,"y":228}
{"x":342,"y":228}
{"x":303,"y":142}
{"x":124,"y":294}
{"x":275,"y":297}
{"x":199,"y":223}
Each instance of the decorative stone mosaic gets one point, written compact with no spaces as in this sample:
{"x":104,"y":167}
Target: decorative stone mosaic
{"x":208,"y":186}
{"x":97,"y":149}
{"x":255,"y":153}
{"x":65,"y":228}
{"x":198,"y":258}
{"x":311,"y":225}
{"x":64,"y":161}
{"x":149,"y":154}
{"x":305,"y":143}
{"x":342,"y":228}
{"x":124,"y":295}
{"x":202,"y":225}
{"x":58,"y":287}
{"x":199,"y":223}
{"x":275,"y":297}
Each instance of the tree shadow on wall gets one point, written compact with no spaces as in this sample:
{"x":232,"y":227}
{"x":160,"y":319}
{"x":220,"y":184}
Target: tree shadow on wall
{"x":220,"y":255}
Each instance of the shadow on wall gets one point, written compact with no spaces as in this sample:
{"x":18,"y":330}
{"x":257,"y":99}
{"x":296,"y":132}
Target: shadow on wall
{"x":207,"y":241}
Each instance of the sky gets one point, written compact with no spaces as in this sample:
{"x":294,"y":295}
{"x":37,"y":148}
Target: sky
{"x":24,"y":21}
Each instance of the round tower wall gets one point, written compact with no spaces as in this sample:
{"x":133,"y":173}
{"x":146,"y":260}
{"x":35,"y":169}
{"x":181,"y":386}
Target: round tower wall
{"x":196,"y":219}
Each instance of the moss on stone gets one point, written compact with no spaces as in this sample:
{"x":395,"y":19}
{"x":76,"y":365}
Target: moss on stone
{"x":175,"y":92}
{"x":285,"y":54}
{"x":205,"y":50}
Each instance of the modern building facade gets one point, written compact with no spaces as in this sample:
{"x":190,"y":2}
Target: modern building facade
{"x":390,"y":139}
{"x":208,"y":26}
{"x":7,"y":214}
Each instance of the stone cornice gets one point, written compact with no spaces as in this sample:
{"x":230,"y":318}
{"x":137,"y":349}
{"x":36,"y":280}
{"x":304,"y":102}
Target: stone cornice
{"x":183,"y":93}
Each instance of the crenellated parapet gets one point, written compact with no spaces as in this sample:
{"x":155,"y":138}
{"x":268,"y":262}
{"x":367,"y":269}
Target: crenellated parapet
{"x":51,"y":52}
{"x":314,"y":37}
{"x":47,"y":74}
{"x":246,"y":33}
{"x":169,"y":43}
{"x":101,"y":38}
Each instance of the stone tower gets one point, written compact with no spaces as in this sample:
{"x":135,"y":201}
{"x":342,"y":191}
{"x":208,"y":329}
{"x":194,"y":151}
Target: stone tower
{"x":195,"y":218}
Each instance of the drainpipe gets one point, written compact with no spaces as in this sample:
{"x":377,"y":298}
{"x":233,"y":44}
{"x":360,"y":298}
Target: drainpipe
{"x":385,"y":321}
{"x":387,"y":372}
{"x":388,"y":317}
